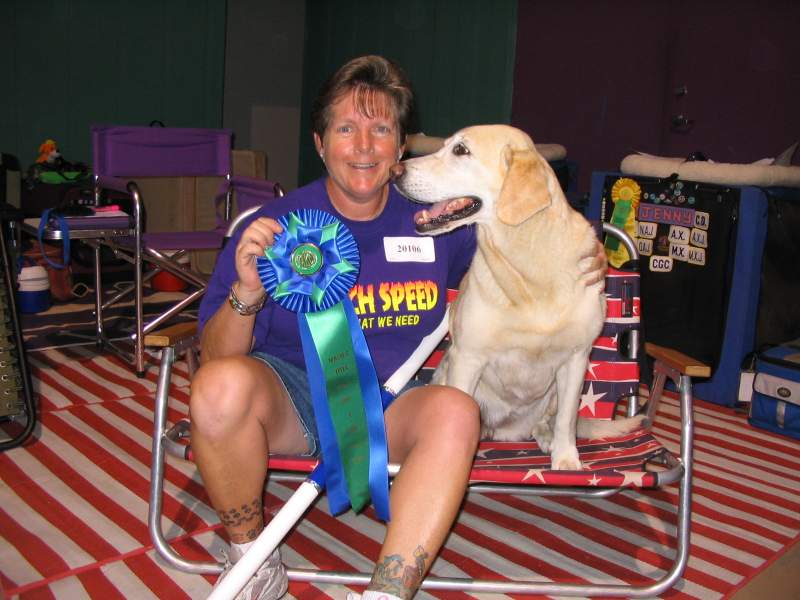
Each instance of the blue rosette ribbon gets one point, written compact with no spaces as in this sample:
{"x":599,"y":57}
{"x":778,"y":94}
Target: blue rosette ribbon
{"x":310,"y":270}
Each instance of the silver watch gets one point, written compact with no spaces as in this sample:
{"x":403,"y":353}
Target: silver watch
{"x":245,"y":309}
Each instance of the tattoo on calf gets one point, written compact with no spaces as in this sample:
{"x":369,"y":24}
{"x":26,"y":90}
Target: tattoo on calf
{"x":238,"y":516}
{"x":394,"y":576}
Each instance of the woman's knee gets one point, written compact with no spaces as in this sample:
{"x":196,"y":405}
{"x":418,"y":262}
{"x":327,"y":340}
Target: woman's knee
{"x":452,"y":416}
{"x":463,"y":415}
{"x":222,"y":393}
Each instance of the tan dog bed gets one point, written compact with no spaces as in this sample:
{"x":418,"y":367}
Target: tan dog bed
{"x":764,"y":173}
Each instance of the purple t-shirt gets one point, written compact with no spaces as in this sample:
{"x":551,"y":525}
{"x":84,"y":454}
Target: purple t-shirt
{"x":401,"y":292}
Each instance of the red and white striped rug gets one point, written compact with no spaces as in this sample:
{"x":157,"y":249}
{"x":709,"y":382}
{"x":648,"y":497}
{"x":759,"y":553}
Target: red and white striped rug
{"x":73,"y":506}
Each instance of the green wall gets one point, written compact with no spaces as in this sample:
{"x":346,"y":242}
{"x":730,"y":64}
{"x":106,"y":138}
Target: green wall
{"x":69,"y":63}
{"x":459,"y":55}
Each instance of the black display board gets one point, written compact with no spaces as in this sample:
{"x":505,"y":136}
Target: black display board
{"x":685,"y":233}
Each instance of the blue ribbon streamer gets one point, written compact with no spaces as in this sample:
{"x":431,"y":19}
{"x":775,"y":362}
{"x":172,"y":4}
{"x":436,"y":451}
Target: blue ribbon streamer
{"x":304,"y":293}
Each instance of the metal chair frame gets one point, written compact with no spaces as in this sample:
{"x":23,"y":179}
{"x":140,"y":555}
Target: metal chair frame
{"x":669,"y":365}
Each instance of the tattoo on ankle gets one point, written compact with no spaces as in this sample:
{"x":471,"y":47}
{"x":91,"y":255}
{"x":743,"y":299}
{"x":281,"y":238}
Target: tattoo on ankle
{"x":394,"y":576}
{"x":244,"y":538}
{"x":246,"y":513}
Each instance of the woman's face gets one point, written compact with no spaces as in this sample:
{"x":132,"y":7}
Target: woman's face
{"x":359,"y":151}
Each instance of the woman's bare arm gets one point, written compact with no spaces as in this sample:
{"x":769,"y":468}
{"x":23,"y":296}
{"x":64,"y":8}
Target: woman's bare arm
{"x":229,"y":333}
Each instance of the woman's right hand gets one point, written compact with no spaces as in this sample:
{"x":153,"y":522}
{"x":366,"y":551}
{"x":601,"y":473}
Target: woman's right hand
{"x":259,"y":234}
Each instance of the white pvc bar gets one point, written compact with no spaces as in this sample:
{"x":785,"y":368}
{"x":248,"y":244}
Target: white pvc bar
{"x":408,"y":369}
{"x":266,"y":542}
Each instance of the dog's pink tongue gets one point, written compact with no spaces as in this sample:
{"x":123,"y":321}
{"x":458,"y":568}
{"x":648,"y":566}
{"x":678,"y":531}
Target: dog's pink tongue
{"x":434,"y":210}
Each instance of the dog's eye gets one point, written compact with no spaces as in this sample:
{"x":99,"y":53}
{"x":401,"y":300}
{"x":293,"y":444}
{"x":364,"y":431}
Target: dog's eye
{"x":460,"y":149}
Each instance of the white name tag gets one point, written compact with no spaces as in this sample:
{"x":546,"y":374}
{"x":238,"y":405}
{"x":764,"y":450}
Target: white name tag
{"x":647,"y":230}
{"x":699,"y":238}
{"x":697,"y":256}
{"x":701,"y":219}
{"x":679,"y":251}
{"x":409,"y":249}
{"x":661,"y":264}
{"x":678,"y":234}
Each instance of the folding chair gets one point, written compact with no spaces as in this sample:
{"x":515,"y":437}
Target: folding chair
{"x":636,"y":460}
{"x":121,"y":155}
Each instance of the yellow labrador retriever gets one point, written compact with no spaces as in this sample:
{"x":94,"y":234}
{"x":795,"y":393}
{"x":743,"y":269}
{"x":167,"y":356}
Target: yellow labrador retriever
{"x":523,"y":324}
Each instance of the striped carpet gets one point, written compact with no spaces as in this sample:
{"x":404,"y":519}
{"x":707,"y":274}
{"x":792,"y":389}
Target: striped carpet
{"x":57,"y":326}
{"x":73,"y":506}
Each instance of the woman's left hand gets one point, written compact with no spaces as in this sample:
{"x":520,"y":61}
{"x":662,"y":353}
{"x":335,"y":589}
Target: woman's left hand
{"x":594,"y":266}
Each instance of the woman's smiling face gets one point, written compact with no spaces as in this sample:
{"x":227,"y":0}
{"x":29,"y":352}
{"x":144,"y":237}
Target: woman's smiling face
{"x":359,"y":151}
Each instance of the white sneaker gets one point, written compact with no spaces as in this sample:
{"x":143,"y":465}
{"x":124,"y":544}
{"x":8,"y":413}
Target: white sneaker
{"x":269,"y":582}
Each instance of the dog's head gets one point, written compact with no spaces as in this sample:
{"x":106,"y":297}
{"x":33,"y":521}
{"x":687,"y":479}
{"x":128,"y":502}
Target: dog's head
{"x":481,"y":174}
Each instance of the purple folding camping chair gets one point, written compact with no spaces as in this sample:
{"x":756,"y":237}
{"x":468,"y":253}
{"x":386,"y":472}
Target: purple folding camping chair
{"x":121,"y":154}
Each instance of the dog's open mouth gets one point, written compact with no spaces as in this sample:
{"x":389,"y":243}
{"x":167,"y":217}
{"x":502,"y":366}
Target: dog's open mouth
{"x":446,"y":212}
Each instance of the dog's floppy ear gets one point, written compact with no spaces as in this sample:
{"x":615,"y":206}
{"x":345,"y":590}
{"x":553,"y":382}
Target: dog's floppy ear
{"x":524,"y":191}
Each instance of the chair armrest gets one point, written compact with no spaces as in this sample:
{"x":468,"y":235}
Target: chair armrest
{"x":113,"y":183}
{"x":171,"y":335}
{"x":238,"y":219}
{"x":685,"y":365}
{"x":679,"y":368}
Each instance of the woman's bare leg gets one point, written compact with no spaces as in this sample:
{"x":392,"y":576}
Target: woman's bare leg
{"x":239,"y":410}
{"x":433,"y":431}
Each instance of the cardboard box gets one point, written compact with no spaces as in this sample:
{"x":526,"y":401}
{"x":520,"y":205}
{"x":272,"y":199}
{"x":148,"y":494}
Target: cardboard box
{"x":187,"y":203}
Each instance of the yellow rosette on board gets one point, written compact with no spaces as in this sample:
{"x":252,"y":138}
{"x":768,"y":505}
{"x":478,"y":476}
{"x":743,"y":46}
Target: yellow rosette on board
{"x":625,"y":195}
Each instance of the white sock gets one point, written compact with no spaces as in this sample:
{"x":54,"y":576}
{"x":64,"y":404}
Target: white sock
{"x":373,"y":595}
{"x":238,"y":550}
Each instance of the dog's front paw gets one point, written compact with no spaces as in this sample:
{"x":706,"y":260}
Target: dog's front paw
{"x":543,"y":434}
{"x":566,"y":459}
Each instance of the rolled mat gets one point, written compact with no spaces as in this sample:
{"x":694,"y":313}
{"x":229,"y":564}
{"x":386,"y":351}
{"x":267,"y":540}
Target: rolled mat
{"x":756,"y":174}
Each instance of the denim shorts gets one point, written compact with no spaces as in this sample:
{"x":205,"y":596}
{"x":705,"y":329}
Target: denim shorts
{"x":295,"y":381}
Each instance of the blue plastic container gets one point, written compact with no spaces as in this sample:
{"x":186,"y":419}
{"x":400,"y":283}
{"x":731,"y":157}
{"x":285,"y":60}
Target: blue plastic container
{"x":34,"y":290}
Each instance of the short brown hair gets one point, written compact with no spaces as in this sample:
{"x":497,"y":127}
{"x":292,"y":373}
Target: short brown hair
{"x":367,"y":76}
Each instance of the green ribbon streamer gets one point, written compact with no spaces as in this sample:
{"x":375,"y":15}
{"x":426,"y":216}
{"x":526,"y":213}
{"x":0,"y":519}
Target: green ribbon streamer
{"x":331,"y":334}
{"x":619,"y":217}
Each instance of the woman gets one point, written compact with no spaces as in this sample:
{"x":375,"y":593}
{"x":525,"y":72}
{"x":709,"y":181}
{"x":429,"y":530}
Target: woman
{"x":251,"y":396}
